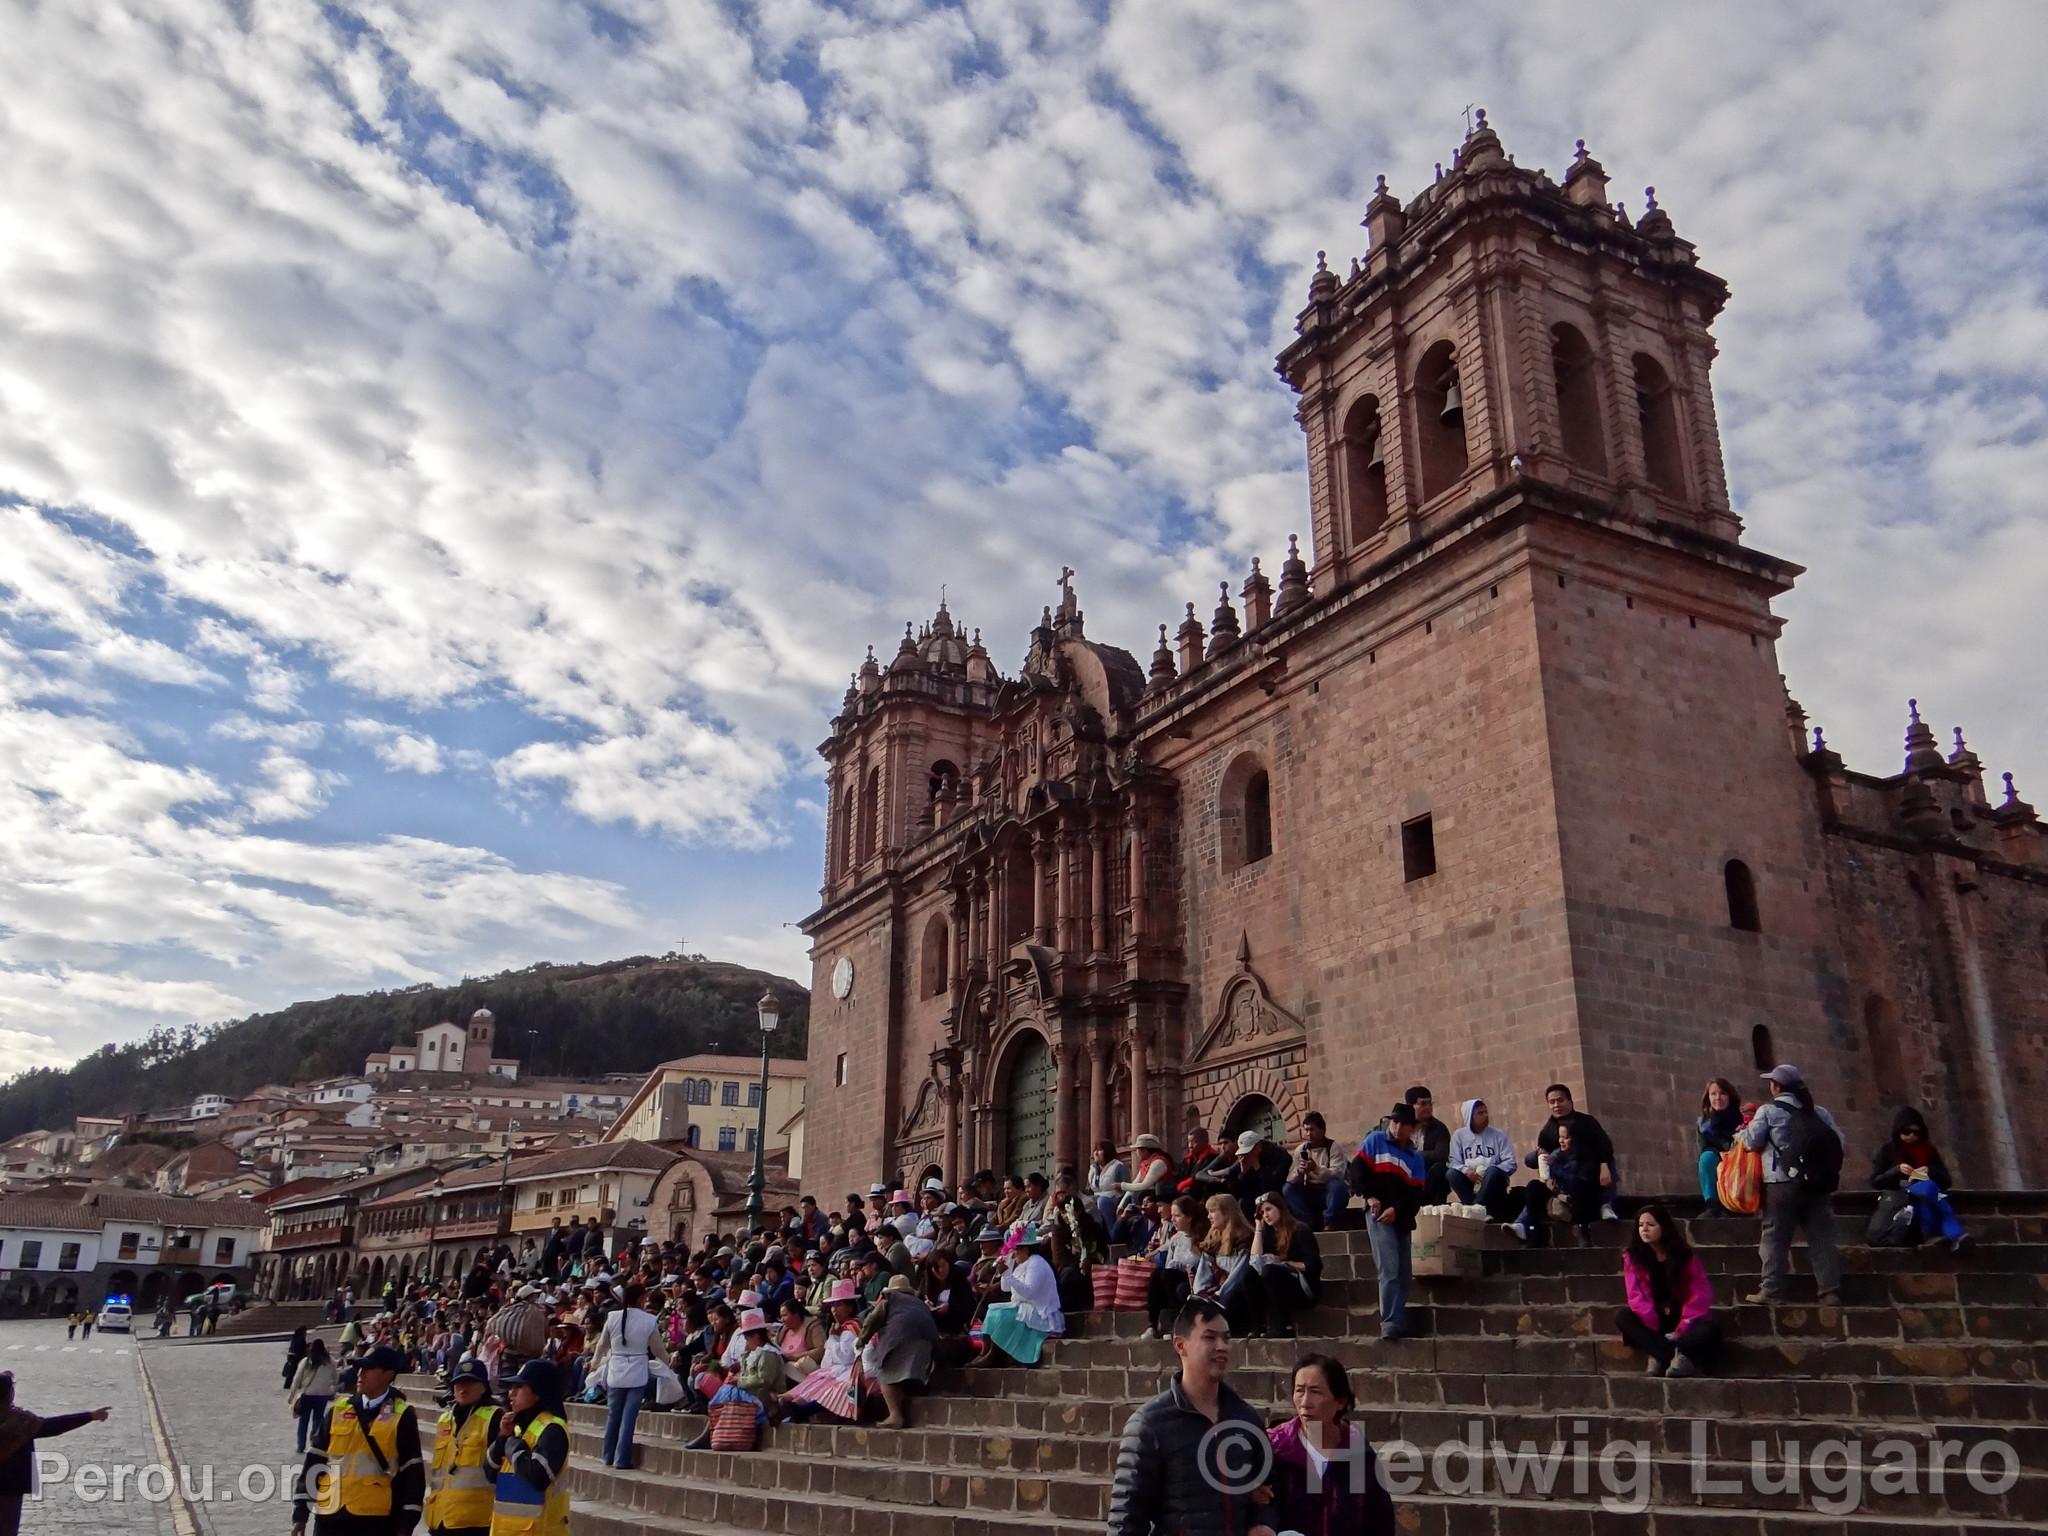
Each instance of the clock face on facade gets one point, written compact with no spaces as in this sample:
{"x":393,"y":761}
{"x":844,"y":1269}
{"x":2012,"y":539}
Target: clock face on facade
{"x":842,"y":977}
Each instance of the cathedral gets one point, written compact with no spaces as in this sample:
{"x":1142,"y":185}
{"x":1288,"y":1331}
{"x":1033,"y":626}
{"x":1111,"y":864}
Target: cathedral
{"x":1498,"y":784}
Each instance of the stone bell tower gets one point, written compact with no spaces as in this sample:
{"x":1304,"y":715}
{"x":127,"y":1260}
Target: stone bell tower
{"x":1503,"y":325}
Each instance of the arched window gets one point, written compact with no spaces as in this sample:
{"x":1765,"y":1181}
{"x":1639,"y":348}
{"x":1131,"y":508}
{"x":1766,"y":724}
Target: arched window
{"x":690,"y":1137}
{"x":1578,"y":399}
{"x":938,"y":949}
{"x":1439,"y":420}
{"x":1881,"y":1035}
{"x":870,"y":813}
{"x":942,"y":778}
{"x":1761,"y":1051}
{"x":1742,"y":910}
{"x":1244,"y":813}
{"x":1365,"y":469}
{"x":1657,"y":414}
{"x":1258,"y":818}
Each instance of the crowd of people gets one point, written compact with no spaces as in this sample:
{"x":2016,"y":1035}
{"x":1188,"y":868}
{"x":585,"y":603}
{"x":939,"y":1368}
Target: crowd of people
{"x":841,"y":1314}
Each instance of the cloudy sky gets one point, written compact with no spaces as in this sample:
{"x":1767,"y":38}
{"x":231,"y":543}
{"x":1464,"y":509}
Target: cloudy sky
{"x":452,"y":454}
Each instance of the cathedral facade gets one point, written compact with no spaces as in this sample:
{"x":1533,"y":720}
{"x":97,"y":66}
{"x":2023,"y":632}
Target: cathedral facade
{"x":1506,"y":789}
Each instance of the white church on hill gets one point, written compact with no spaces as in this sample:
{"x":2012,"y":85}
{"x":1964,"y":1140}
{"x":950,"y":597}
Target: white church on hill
{"x":448,"y":1047}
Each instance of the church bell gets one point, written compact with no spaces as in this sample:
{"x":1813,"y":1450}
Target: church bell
{"x":1453,"y":412}
{"x":1376,"y":458}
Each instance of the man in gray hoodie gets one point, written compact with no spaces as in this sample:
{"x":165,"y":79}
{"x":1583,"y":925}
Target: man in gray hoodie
{"x":1482,"y":1161}
{"x":1790,"y":1202}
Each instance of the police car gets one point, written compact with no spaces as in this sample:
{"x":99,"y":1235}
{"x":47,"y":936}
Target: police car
{"x":115,"y":1315}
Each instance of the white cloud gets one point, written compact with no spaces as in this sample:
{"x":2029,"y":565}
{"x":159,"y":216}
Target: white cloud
{"x":472,"y":357}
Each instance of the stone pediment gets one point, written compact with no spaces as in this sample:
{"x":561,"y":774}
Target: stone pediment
{"x":1246,"y":1021}
{"x":927,"y":1113}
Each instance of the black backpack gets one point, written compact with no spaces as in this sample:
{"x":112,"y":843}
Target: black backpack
{"x":1812,"y":1154}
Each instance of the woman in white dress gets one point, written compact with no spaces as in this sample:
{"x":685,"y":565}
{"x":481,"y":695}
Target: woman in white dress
{"x":1018,"y":1328}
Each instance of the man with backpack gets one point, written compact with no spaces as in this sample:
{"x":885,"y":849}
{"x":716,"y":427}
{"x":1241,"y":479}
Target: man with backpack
{"x":1802,"y":1150}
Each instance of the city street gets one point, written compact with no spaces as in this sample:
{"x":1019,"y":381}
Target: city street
{"x":53,"y":1375}
{"x":221,"y":1407}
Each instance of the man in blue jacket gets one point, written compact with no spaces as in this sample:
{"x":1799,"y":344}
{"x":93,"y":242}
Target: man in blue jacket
{"x":1390,"y":1175}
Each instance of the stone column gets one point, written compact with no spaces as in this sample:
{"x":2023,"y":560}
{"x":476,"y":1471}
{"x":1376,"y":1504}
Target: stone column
{"x":1098,"y":903}
{"x":1063,"y":1127}
{"x":1098,"y":1091}
{"x":1063,"y":890}
{"x":949,"y":1153}
{"x":1041,"y":912}
{"x":1141,"y":1080}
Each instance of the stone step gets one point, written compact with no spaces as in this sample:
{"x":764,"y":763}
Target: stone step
{"x":1717,"y":1437}
{"x":1039,"y":1399}
{"x":1594,"y":1318}
{"x":827,"y":1498}
{"x":1422,"y":1515}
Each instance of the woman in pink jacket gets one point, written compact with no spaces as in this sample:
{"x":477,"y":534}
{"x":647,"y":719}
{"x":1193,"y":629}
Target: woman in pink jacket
{"x":1670,"y":1298}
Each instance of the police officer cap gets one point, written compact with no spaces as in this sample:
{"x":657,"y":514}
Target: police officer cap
{"x":382,"y":1358}
{"x":544,"y":1380}
{"x":471,"y":1369}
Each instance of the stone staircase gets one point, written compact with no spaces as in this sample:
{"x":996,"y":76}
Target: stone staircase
{"x":1926,"y":1348}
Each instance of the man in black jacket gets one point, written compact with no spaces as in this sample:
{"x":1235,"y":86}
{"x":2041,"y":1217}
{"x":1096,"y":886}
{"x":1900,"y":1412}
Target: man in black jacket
{"x":1433,"y":1141}
{"x":1591,"y":1145}
{"x":1254,"y":1167}
{"x":1191,"y":1457}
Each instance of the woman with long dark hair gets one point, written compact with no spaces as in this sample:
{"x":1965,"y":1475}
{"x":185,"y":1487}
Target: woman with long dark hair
{"x":1720,"y":1118}
{"x":1179,"y":1257}
{"x":1344,"y":1497}
{"x":1670,"y":1298}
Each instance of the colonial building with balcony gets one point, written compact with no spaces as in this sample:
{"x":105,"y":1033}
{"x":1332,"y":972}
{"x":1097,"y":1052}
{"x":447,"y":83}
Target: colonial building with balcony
{"x":60,"y":1251}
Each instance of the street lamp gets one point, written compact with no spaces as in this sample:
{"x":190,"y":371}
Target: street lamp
{"x":433,"y":1221}
{"x":505,"y":1172}
{"x":766,"y":1008}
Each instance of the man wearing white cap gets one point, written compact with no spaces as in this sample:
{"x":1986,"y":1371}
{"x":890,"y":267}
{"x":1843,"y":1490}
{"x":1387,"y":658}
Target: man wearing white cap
{"x":1802,"y":1148}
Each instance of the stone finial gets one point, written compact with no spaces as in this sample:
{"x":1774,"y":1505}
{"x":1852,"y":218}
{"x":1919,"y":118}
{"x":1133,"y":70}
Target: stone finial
{"x":1162,"y":663}
{"x":2015,"y":812}
{"x":1294,"y":590}
{"x":1258,"y":598}
{"x":1223,"y":628}
{"x":1921,"y":752}
{"x":1324,"y":284}
{"x":2012,"y":793}
{"x":1190,"y":638}
{"x":1820,"y":742}
{"x":1585,"y":180}
{"x":1383,"y":219}
{"x":1655,"y":222}
{"x":1481,"y":149}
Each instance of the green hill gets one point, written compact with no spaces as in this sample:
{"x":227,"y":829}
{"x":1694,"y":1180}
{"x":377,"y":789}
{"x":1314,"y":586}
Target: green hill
{"x":559,"y":1020}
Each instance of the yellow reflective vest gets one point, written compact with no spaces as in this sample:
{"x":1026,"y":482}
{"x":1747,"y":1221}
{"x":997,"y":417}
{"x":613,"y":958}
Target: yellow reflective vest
{"x":522,"y":1509}
{"x":356,"y":1481}
{"x":458,"y":1482}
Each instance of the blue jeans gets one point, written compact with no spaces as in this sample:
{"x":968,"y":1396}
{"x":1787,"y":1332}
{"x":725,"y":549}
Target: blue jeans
{"x":1710,"y":1167}
{"x":1316,"y":1211}
{"x":1105,"y":1208}
{"x":310,"y":1409}
{"x":1937,"y":1218}
{"x":1392,"y":1256}
{"x":622,"y":1411}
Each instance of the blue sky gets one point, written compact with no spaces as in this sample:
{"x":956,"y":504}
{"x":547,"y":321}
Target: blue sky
{"x":452,"y":455}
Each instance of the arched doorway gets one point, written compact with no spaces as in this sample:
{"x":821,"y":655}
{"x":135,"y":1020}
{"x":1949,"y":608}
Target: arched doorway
{"x":1254,"y":1112}
{"x":1027,"y":1099}
{"x":122,"y":1283}
{"x":152,"y":1290}
{"x":62,"y":1297}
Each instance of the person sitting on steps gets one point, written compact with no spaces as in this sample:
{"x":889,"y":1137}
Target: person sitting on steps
{"x":1178,"y":1259}
{"x":1315,"y":1190}
{"x":1592,"y":1147}
{"x":1720,"y":1120}
{"x":1433,"y":1141}
{"x":1910,"y":1162}
{"x":1482,"y":1162}
{"x":1669,"y":1298}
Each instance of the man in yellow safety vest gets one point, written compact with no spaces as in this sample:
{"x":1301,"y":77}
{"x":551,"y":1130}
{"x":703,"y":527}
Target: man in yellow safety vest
{"x":529,"y":1456}
{"x":364,"y":1475}
{"x":458,"y":1483}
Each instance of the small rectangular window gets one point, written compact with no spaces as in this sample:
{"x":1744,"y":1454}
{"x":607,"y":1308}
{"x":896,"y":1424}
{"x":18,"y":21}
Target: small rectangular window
{"x":726,"y":1138}
{"x":840,"y":1071}
{"x":1418,"y":848}
{"x":67,"y":1256}
{"x":753,"y":1095}
{"x":730,"y":1094}
{"x":224,"y":1250}
{"x":31,"y":1254}
{"x":750,"y":1139}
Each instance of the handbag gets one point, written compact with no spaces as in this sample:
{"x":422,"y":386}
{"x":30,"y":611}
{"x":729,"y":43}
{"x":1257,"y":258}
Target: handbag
{"x":1739,"y":1182}
{"x":734,"y":1426}
{"x":1103,"y":1278}
{"x":1133,"y":1285}
{"x":1893,"y":1224}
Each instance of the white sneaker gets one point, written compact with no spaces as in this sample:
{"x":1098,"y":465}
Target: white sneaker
{"x":1609,"y":1213}
{"x":1520,"y":1229}
{"x":1149,"y":1333}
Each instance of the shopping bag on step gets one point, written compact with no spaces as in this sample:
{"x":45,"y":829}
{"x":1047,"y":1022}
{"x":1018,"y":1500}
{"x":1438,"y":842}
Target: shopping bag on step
{"x":1739,"y":1182}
